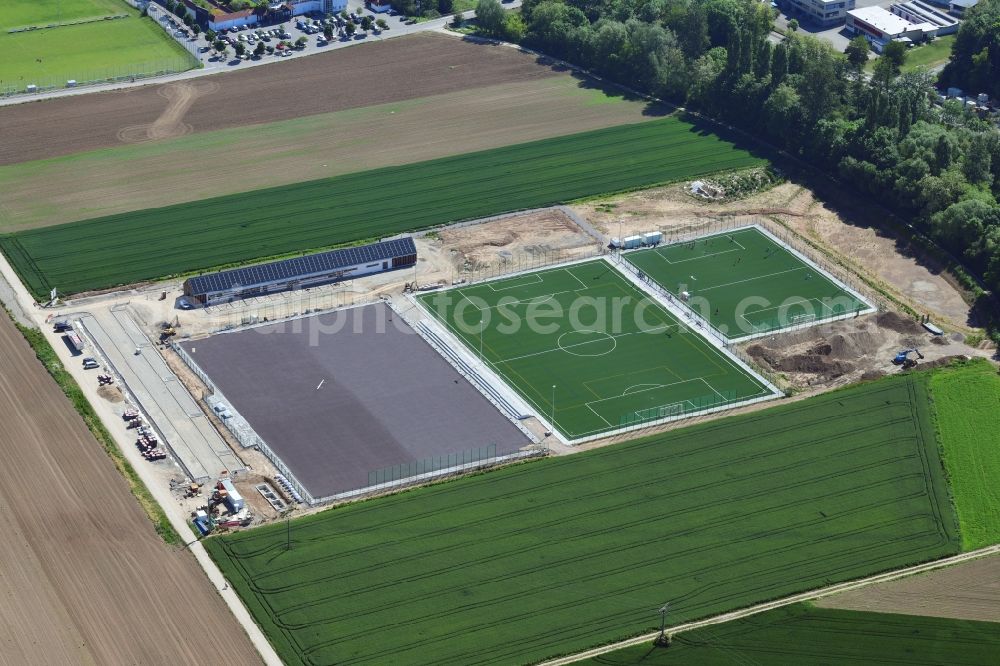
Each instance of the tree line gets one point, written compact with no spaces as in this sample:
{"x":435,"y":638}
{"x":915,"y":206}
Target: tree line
{"x":936,"y":166}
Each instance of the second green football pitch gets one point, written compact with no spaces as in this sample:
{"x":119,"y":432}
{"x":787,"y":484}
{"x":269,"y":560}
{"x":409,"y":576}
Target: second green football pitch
{"x":746,"y":283}
{"x":589,"y":351}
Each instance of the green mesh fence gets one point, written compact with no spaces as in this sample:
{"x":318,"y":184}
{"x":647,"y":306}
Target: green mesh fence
{"x":429,"y":465}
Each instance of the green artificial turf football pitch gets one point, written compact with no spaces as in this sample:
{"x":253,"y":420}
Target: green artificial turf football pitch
{"x":589,"y":350}
{"x":149,"y":244}
{"x":744,"y":283}
{"x":559,"y":555}
{"x":801,"y":635}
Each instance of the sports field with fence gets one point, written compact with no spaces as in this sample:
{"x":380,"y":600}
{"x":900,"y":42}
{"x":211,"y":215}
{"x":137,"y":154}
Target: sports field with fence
{"x":744,"y":282}
{"x":47,"y":44}
{"x":589,"y":350}
{"x":566,"y":553}
{"x":104,"y":252}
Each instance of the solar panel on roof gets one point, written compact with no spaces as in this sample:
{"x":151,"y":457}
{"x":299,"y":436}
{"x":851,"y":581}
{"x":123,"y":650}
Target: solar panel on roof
{"x":299,"y":267}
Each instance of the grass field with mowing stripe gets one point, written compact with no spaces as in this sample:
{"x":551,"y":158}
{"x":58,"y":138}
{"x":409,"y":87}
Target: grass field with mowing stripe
{"x":145,"y":245}
{"x":86,"y":52}
{"x":24,"y":13}
{"x":555,"y":556}
{"x":744,"y":283}
{"x":967,"y":404}
{"x":614,"y":357}
{"x":802,"y":635}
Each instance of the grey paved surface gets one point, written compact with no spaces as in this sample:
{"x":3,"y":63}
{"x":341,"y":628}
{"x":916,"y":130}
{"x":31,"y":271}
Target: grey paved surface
{"x":837,"y":36}
{"x":191,"y":437}
{"x":339,"y":395}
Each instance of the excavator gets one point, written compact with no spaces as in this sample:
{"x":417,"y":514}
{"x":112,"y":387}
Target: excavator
{"x":903,"y":358}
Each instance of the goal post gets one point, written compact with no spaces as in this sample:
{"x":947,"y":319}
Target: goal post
{"x":801,"y":319}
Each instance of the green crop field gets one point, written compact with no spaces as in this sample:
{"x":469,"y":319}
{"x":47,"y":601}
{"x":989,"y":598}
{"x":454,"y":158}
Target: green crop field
{"x":589,"y":351}
{"x":92,"y":51}
{"x":967,"y":405}
{"x":802,"y":635}
{"x":145,"y":245}
{"x":558,"y":555}
{"x":745,"y":283}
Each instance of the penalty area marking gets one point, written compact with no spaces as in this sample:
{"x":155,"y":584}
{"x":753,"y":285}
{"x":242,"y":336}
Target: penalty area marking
{"x":538,"y":280}
{"x":816,"y":316}
{"x":653,"y":387}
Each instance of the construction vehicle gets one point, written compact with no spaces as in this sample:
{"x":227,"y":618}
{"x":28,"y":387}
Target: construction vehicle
{"x":903,"y":358}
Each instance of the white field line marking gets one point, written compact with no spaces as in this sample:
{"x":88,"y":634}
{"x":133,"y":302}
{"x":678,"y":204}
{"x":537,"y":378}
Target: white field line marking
{"x":638,"y":412}
{"x":582,"y":283}
{"x":534,"y":300}
{"x":320,"y":385}
{"x":756,"y":277}
{"x":655,"y":329}
{"x":660,"y":254}
{"x":626,"y":391}
{"x":712,"y":388}
{"x":598,"y":415}
{"x":772,"y":605}
{"x":538,"y":280}
{"x":657,"y":386}
{"x":778,"y":307}
{"x":607,"y":336}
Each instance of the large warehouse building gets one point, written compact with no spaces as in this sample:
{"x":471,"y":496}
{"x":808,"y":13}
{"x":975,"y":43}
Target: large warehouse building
{"x":301,"y":272}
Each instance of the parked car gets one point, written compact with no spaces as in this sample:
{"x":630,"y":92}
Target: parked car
{"x":90,"y":364}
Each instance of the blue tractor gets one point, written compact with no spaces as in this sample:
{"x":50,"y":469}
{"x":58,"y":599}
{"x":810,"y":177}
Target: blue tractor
{"x":903,"y":358}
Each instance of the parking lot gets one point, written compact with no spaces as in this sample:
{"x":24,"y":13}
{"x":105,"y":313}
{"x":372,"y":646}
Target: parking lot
{"x":302,"y":35}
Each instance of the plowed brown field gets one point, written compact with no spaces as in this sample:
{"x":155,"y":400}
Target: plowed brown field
{"x":364,"y":75}
{"x":967,"y":591}
{"x":117,"y":180}
{"x":84,"y":579}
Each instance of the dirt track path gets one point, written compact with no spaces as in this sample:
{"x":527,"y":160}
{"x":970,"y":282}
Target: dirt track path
{"x":85,"y":579}
{"x":787,"y":601}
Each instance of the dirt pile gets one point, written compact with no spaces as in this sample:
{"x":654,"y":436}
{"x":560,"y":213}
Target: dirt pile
{"x":816,"y":361}
{"x":897,"y":322}
{"x":851,"y":350}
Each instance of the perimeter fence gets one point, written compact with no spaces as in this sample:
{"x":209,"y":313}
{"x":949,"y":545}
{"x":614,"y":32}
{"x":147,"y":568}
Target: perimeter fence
{"x":239,"y":427}
{"x":524,"y":262}
{"x":279,"y":307}
{"x":792,"y":242}
{"x":395,"y":476}
{"x":171,"y":24}
{"x":89,"y":77}
{"x":451,"y":461}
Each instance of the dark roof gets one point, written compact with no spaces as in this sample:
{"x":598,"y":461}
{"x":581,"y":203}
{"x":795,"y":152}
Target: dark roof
{"x":299,"y":267}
